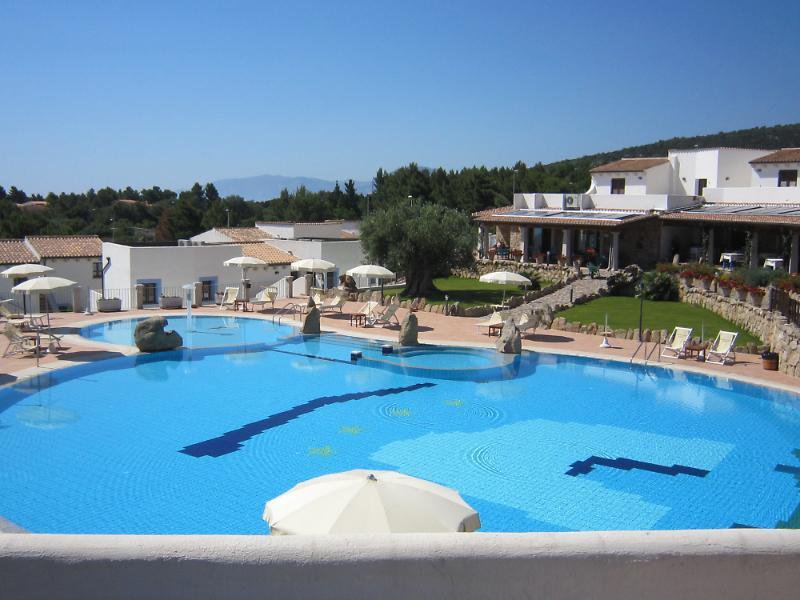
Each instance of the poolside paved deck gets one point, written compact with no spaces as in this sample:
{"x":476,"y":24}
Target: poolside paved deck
{"x":434,"y":328}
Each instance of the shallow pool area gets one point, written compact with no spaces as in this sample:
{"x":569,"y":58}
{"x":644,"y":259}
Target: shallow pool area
{"x":198,"y":439}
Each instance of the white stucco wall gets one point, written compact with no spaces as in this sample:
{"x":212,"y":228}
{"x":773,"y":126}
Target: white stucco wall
{"x":278,"y":230}
{"x":345,"y":254}
{"x":733,"y":564}
{"x":766,"y":175}
{"x":174,"y":266}
{"x":635,"y":182}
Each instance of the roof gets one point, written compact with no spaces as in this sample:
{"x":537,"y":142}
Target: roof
{"x":628,"y":165}
{"x":15,"y":252}
{"x":66,"y":246}
{"x":765,"y":214}
{"x":555,"y":217}
{"x":243,"y":234}
{"x":779,"y":156}
{"x":328,"y":222}
{"x":269,"y":254}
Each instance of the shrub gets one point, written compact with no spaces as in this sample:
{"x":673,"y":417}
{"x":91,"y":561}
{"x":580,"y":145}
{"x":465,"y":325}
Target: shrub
{"x":670,"y":268}
{"x":658,"y":285}
{"x":758,"y":277}
{"x":789,"y":283}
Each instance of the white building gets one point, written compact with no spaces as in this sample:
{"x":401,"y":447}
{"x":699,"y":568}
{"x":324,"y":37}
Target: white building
{"x":163,"y":270}
{"x":75,"y":257}
{"x":694,"y":203}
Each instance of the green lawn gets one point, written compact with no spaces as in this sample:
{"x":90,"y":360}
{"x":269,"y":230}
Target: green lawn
{"x":623,"y":313}
{"x":468,"y":292}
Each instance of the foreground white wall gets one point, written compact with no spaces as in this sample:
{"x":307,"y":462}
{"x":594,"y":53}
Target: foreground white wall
{"x":727,"y":564}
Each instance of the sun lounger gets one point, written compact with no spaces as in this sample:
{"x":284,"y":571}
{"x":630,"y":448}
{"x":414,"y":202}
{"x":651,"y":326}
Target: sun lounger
{"x":332,"y":304}
{"x":20,"y":343}
{"x":385,"y":318}
{"x":722,"y":348}
{"x":493,"y":323}
{"x":229,"y":297}
{"x":676,"y":343}
{"x":267,"y":295}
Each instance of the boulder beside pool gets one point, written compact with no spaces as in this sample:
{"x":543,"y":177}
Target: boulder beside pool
{"x":510,"y":341}
{"x":311,"y":322}
{"x":409,"y":330}
{"x":149,"y":336}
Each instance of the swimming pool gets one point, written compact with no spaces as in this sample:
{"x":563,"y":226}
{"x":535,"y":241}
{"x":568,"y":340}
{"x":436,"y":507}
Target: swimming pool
{"x":196,"y":440}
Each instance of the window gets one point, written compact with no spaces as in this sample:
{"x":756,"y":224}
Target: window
{"x":97,"y":269}
{"x":787,"y":178}
{"x":618,"y":185}
{"x":150,"y":293}
{"x":700,"y":186}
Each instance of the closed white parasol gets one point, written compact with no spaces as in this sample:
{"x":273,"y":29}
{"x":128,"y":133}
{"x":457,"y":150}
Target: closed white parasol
{"x":362,"y":501}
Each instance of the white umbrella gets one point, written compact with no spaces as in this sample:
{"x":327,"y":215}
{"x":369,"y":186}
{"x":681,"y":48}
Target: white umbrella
{"x":505,"y":278}
{"x":245,"y":262}
{"x":43,"y":284}
{"x":314,"y":265}
{"x":373,"y":272}
{"x":362,"y":501}
{"x":25,"y":270}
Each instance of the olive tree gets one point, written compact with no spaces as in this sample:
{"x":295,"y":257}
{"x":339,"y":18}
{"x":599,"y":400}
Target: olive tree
{"x":422,"y":242}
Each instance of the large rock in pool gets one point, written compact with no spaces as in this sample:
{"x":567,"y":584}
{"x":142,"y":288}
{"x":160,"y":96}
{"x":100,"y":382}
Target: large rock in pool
{"x":409,"y":330}
{"x":150,"y":336}
{"x":510,"y":341}
{"x":311,"y":322}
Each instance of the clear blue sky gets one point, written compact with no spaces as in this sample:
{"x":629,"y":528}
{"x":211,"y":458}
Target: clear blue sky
{"x":166,"y":93}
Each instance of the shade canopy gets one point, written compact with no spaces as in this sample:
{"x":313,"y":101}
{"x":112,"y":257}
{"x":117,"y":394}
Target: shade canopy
{"x":25,"y":270}
{"x":244,"y":262}
{"x":372,"y":271}
{"x":314,"y":265}
{"x":362,"y":501}
{"x":505,"y":278}
{"x":43,"y":284}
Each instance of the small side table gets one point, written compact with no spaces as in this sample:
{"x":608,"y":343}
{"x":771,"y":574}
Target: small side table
{"x":358,"y":319}
{"x":694,"y":350}
{"x":243,"y":303}
{"x":495,"y":330}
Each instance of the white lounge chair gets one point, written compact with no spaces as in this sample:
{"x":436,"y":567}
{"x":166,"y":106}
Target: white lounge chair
{"x":495,"y":321}
{"x":229,"y":297}
{"x":722,"y":348}
{"x":677,"y":342}
{"x":20,"y":343}
{"x":332,"y":304}
{"x":265,"y":296}
{"x":385,"y":318}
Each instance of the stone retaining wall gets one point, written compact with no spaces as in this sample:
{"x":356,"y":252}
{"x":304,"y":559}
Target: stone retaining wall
{"x":772,"y":327}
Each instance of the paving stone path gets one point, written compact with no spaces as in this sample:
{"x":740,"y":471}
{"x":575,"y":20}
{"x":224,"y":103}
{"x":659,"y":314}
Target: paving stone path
{"x":572,"y":293}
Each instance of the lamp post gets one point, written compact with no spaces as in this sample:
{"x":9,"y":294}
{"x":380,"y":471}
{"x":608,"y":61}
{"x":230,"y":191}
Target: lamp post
{"x":411,"y":198}
{"x":513,"y":185}
{"x":228,"y":213}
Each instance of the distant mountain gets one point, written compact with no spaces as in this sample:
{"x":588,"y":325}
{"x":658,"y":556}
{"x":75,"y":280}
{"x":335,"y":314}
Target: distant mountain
{"x":268,"y":187}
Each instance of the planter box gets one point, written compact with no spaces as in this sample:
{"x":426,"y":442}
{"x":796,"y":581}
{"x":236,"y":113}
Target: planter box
{"x":740,"y":295}
{"x":109,"y":305}
{"x":755,"y":299}
{"x":703,"y":284}
{"x":723,"y":291}
{"x":171,"y":302}
{"x":769,"y":364}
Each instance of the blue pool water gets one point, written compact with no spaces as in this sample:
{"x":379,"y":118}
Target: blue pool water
{"x":196,"y":440}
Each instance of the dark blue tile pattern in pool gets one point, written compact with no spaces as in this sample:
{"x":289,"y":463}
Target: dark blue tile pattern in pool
{"x":231,"y":441}
{"x":581,"y":467}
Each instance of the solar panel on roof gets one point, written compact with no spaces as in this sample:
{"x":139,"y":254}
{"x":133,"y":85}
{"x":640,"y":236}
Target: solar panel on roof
{"x":568,"y":214}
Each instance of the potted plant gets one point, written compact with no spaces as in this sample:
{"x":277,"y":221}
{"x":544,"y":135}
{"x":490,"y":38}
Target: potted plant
{"x":109,"y":304}
{"x":724,"y":286}
{"x":539,"y":258}
{"x":562,"y":260}
{"x":703,"y":280}
{"x":769,"y":360}
{"x":686,"y":277}
{"x":755,"y":295}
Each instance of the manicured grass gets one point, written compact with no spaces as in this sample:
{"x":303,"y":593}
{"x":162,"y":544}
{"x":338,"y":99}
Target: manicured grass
{"x":468,"y":292}
{"x":623,"y":313}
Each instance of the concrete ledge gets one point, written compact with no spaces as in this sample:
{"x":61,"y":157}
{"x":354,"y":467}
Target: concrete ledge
{"x":729,"y":564}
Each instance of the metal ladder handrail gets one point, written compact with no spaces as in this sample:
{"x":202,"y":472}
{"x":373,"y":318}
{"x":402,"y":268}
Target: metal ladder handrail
{"x":281,"y":312}
{"x":635,"y":352}
{"x":657,"y":345}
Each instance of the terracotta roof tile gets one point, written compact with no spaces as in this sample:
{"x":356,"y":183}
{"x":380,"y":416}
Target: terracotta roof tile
{"x":66,"y":246}
{"x":785,"y":155}
{"x":700,"y":217}
{"x":244,"y":234}
{"x":15,"y":252}
{"x":628,"y":165}
{"x":269,"y":254}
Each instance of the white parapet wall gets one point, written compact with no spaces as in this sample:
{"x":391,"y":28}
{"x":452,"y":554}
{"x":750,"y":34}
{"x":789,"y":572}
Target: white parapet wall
{"x":722,"y":564}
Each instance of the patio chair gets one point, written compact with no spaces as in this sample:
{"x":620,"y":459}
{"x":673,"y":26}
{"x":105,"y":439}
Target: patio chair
{"x":267,"y":295}
{"x":722,"y":348}
{"x":676,"y":343}
{"x":229,"y":297}
{"x":332,"y":304}
{"x":527,"y":322}
{"x":494,"y":322}
{"x":19,"y":343}
{"x":385,"y":318}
